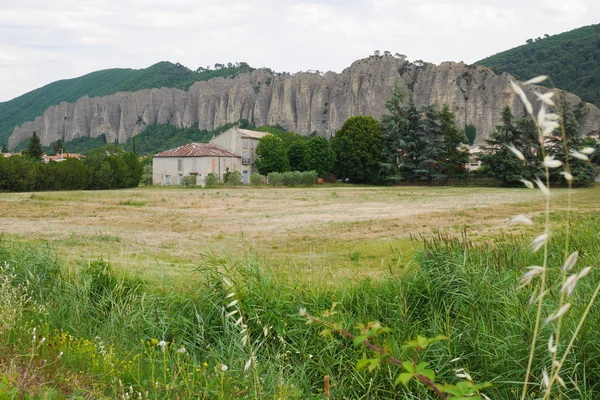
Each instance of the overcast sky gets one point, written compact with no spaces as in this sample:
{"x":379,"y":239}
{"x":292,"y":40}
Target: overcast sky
{"x":42,"y":41}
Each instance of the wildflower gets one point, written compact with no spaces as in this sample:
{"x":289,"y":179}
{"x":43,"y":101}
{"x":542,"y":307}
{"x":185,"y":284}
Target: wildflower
{"x":550,"y":162}
{"x":461,"y":373}
{"x":571,"y":261}
{"x":587,"y":150}
{"x":517,"y":89}
{"x":584,"y":272}
{"x":537,"y":79}
{"x":233,"y":303}
{"x":181,"y":350}
{"x":205,"y":364}
{"x":516,"y":152}
{"x":561,"y":311}
{"x":532,"y":273}
{"x":521,"y":219}
{"x":578,"y":155}
{"x":542,"y":187}
{"x":545,"y":98}
{"x":224,"y":367}
{"x":527,"y":183}
{"x":303,"y":312}
{"x":546,"y":379}
{"x":539,"y":242}
{"x":567,"y":175}
{"x":551,"y":345}
{"x":163,"y":345}
{"x":569,"y":285}
{"x":154,"y":341}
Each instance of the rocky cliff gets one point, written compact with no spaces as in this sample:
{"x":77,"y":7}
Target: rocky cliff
{"x":303,"y":102}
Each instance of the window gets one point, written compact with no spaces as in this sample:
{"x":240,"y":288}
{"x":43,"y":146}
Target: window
{"x":180,"y":164}
{"x":246,"y":143}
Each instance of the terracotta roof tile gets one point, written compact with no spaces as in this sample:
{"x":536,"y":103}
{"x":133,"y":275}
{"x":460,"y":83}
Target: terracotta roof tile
{"x":197,"y":150}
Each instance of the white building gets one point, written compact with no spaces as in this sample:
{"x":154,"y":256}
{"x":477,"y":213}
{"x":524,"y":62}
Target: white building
{"x":242,"y":142}
{"x":196,"y":159}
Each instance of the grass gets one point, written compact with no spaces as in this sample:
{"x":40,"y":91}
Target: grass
{"x":104,"y":294}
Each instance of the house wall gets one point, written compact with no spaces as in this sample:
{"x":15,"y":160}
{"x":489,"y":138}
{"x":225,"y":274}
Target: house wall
{"x":236,"y":142}
{"x":165,"y":170}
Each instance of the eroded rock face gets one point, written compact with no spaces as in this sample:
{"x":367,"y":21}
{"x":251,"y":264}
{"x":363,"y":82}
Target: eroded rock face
{"x":303,"y":103}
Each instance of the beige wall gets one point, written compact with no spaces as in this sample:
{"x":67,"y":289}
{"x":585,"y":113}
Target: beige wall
{"x":165,"y":169}
{"x":234,"y":141}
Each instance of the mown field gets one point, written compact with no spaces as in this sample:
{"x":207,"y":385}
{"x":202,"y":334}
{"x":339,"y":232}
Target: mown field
{"x":325,"y":235}
{"x":111,"y":274}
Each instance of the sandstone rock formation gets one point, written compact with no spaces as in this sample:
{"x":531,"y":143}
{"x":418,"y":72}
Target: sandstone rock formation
{"x":303,"y":102}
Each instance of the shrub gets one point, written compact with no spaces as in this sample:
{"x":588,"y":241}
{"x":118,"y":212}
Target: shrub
{"x":309,"y":178}
{"x":211,"y":180}
{"x":256,"y":179}
{"x":288,"y":178}
{"x":189,"y":180}
{"x":235,"y":179}
{"x":275,"y":178}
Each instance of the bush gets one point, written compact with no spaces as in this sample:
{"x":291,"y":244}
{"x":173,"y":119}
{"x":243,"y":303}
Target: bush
{"x":235,"y":179}
{"x":211,"y":180}
{"x":309,"y":178}
{"x":189,"y":180}
{"x":275,"y":178}
{"x":287,"y":178}
{"x":256,"y":179}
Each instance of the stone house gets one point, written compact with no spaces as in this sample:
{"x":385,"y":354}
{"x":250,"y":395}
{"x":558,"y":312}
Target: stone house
{"x":196,"y":159}
{"x":242,"y":142}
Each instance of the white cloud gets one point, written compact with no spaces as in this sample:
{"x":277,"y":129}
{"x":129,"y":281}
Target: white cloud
{"x":43,"y":41}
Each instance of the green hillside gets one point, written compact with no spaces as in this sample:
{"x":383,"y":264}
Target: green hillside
{"x":105,"y":82}
{"x":572,"y":59}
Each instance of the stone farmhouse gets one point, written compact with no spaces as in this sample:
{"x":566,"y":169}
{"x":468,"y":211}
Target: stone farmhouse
{"x":233,"y":150}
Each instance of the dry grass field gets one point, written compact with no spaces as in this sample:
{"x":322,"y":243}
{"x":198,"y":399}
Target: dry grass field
{"x":328,"y":234}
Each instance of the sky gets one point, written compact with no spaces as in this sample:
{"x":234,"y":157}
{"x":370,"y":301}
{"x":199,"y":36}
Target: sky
{"x":42,"y":41}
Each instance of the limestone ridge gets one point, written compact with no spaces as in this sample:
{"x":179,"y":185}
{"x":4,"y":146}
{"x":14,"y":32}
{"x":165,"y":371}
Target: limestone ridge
{"x":303,"y":102}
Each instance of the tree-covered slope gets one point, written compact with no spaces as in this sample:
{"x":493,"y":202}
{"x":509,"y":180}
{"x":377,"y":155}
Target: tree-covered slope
{"x":101,"y":83}
{"x":572,"y":59}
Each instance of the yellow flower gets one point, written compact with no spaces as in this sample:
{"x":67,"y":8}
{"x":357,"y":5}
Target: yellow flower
{"x":154,"y":341}
{"x":205,"y":364}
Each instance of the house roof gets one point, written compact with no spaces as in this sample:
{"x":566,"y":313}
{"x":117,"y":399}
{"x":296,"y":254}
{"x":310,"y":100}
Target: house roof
{"x":60,"y":157}
{"x":197,"y":150}
{"x":253,"y":134}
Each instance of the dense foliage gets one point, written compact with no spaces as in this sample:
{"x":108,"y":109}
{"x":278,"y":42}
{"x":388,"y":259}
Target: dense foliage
{"x":358,"y":148}
{"x":572,"y":59}
{"x":272,"y":155}
{"x":499,"y":162}
{"x":421,"y":144}
{"x":101,"y":83}
{"x":108,"y":167}
{"x":319,"y":156}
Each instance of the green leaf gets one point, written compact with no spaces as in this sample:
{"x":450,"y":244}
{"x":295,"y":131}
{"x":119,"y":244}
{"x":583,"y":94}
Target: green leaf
{"x":359,"y":339}
{"x":403,"y":378}
{"x":408,"y":366}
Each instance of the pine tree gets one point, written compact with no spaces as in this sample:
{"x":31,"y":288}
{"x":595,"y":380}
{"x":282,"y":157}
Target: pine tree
{"x":34,"y":149}
{"x":453,"y":158}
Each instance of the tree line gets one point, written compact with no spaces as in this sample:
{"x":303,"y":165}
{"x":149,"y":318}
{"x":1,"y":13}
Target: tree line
{"x":409,"y":143}
{"x":107,"y":167}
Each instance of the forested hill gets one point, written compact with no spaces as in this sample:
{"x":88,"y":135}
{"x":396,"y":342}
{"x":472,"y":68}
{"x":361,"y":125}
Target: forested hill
{"x":106,"y":82}
{"x":572,"y":59}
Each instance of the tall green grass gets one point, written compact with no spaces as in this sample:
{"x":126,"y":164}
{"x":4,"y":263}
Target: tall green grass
{"x":108,"y":327}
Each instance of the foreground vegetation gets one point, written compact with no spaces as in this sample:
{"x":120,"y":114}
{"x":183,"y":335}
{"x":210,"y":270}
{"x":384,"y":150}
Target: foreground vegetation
{"x":87,"y":330}
{"x":106,"y":328}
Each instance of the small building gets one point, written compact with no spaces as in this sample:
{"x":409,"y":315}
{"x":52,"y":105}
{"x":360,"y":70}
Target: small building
{"x":196,"y":159}
{"x":61,"y":157}
{"x":242,"y":142}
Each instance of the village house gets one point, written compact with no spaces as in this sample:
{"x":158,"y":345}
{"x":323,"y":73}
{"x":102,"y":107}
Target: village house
{"x":242,"y":142}
{"x":61,"y":157}
{"x":196,"y":159}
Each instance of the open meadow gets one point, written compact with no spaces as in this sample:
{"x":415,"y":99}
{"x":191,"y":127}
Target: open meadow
{"x":325,"y":235}
{"x":195,"y":293}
